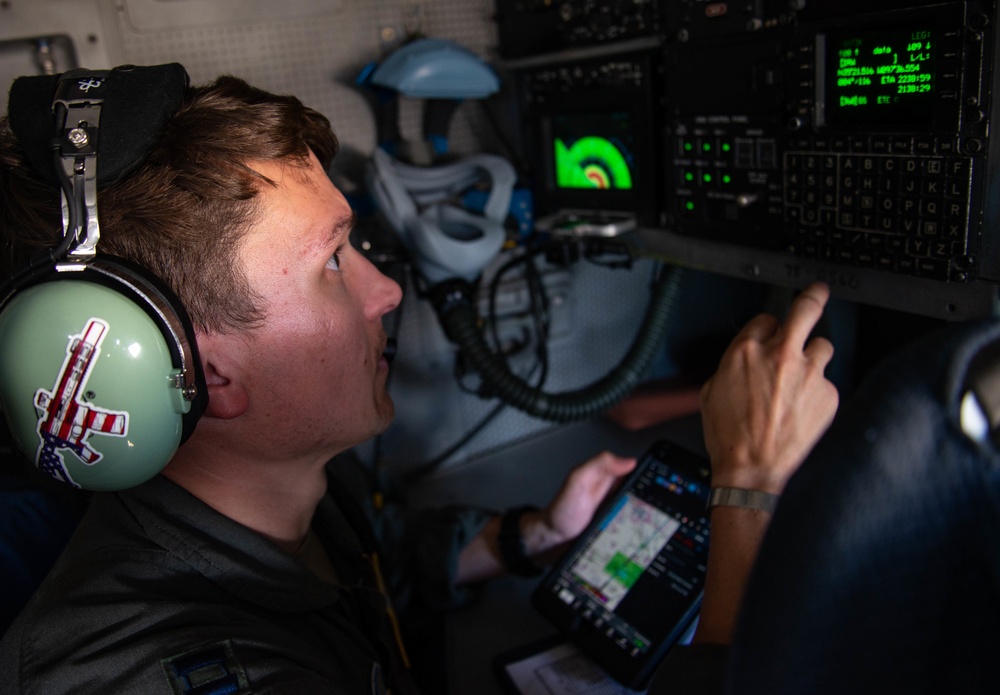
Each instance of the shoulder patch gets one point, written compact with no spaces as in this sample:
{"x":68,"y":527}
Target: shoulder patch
{"x":210,"y":669}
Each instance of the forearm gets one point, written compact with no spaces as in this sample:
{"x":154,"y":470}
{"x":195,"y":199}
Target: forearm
{"x":736,"y":535}
{"x":762,"y":412}
{"x":545,"y":533}
{"x":481,"y":558}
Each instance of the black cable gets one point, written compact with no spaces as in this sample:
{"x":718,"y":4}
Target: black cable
{"x":426,"y":468}
{"x":512,"y":152}
{"x":74,"y":203}
{"x":458,"y":315}
{"x":538,"y":302}
{"x":536,"y":290}
{"x":47,"y":259}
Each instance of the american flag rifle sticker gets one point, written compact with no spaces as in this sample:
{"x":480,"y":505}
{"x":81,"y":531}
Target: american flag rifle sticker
{"x":66,"y":421}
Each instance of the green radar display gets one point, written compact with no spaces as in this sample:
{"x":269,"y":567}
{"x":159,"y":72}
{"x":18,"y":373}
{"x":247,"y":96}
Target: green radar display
{"x":591,"y":162}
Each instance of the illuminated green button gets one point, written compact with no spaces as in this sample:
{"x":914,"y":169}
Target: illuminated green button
{"x":689,"y":206}
{"x":707,"y":178}
{"x":727,"y":179}
{"x":688,"y":176}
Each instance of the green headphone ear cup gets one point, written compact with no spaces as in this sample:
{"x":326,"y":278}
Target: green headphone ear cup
{"x":88,"y":384}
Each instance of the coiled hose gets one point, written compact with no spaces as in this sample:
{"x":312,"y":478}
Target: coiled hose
{"x":453,"y":301}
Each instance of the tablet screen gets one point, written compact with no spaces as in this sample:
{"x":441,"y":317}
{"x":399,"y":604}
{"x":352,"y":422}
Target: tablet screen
{"x":633,"y":582}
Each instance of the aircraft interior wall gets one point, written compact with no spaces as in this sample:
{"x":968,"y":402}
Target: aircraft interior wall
{"x":316,"y":49}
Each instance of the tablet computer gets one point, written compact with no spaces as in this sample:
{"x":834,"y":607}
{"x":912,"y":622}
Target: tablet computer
{"x":632,"y":583}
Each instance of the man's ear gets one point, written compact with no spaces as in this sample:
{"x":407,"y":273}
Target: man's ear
{"x":227,"y":395}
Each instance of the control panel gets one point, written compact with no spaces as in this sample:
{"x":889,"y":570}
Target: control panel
{"x":859,"y":141}
{"x":532,"y":27}
{"x":781,"y":139}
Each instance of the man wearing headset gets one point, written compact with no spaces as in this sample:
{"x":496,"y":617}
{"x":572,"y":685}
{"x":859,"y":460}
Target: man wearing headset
{"x":248,"y":565}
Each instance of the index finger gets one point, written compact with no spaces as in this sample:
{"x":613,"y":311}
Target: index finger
{"x":805,"y":313}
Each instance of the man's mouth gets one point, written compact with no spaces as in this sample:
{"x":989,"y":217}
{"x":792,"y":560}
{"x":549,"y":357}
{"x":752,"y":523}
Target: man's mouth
{"x":389,"y":353}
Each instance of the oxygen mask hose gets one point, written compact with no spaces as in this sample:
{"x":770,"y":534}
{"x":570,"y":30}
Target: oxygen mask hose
{"x":454,"y":303}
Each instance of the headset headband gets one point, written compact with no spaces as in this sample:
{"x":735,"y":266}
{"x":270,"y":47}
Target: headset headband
{"x":139,"y":101}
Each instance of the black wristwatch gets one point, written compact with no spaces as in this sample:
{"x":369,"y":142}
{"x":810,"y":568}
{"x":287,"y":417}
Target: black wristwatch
{"x":512,"y":544}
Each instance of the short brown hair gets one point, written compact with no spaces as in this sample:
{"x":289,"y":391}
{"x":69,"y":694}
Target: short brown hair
{"x":183,"y":213}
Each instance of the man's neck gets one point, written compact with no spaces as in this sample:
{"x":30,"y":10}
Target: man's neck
{"x":275,"y":499}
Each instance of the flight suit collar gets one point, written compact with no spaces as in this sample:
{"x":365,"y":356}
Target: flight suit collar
{"x":240,"y":560}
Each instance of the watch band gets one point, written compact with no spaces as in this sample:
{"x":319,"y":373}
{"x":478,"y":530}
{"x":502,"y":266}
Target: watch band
{"x":741,"y":497}
{"x":512,"y":544}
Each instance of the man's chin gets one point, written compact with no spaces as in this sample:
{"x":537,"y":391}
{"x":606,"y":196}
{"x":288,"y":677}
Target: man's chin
{"x":387,"y":412}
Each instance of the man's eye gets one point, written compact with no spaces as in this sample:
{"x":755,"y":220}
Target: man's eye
{"x":334,"y":262}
